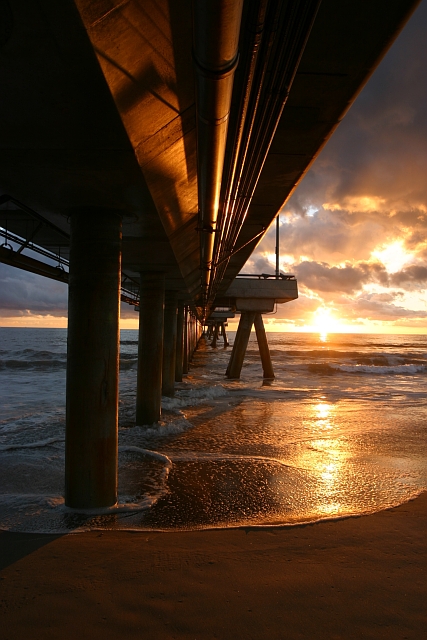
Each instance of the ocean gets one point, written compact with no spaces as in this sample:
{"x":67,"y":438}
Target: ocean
{"x":341,"y":431}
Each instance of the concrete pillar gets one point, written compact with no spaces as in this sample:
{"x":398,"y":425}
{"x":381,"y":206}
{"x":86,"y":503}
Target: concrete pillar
{"x":240,"y":344}
{"x":179,"y":342}
{"x":150,"y":348}
{"x":93,"y":360}
{"x":224,"y":335}
{"x":215,"y":335}
{"x":190,"y":337}
{"x":169,"y":344}
{"x":185,"y":341}
{"x":264,"y":351}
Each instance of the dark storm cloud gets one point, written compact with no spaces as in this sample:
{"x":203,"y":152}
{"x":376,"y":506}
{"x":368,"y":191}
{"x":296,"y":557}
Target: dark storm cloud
{"x":380,"y":147}
{"x":261,"y":265}
{"x":127,"y":311}
{"x":22,"y":292}
{"x":412,"y":274}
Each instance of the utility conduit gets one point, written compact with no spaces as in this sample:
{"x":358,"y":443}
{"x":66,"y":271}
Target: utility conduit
{"x":216,"y":29}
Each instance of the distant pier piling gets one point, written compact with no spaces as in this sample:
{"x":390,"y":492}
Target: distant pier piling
{"x":169,"y":344}
{"x":185,"y":342}
{"x":179,"y":342}
{"x":150,"y":348}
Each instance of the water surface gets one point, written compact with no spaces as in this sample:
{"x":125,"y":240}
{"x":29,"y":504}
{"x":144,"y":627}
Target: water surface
{"x":340,"y":431}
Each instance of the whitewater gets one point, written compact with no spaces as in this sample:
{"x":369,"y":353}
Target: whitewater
{"x":340,"y":432}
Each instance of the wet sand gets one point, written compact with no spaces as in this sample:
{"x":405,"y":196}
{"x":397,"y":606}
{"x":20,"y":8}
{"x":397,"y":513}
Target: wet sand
{"x":361,"y":577}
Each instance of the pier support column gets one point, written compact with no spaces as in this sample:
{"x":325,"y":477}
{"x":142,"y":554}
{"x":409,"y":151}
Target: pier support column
{"x":240,"y":344}
{"x":169,"y":344}
{"x":215,"y":335}
{"x":150,"y":348}
{"x":190,"y":337}
{"x":224,"y":335}
{"x":264,"y":351}
{"x":179,"y":342}
{"x":185,"y":342}
{"x":93,"y":360}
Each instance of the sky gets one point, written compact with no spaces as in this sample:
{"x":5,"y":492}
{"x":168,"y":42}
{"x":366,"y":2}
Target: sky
{"x":353,"y":232}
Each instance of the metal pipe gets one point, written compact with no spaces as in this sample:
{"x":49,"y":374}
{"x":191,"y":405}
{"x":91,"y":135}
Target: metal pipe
{"x":216,"y":29}
{"x":287,"y":28}
{"x":252,"y":38}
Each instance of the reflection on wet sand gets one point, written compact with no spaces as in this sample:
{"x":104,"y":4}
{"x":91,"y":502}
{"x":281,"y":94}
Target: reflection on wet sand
{"x":271,"y":461}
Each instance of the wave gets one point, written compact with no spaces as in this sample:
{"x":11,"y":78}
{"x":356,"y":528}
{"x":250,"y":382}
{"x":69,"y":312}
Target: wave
{"x":48,"y":364}
{"x":394,"y":357}
{"x":37,"y":509}
{"x":373,"y":369}
{"x":32,"y":365}
{"x":31,"y":445}
{"x":187,"y":397}
{"x":128,"y":362}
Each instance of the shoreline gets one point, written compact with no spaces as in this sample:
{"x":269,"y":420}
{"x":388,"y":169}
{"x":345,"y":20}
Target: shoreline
{"x":355,"y":577}
{"x":124,"y":508}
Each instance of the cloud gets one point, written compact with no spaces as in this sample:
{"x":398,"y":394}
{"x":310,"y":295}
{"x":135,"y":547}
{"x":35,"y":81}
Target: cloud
{"x":412,"y":274}
{"x":347,"y":279}
{"x":377,"y":310}
{"x":24,"y":293}
{"x":355,"y":230}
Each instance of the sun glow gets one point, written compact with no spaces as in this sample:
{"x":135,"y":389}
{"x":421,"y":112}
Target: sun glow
{"x":360,"y":203}
{"x":324,"y":322}
{"x":393,"y":256}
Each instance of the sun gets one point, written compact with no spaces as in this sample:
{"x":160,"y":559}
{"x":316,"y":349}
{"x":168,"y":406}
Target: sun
{"x":324,"y":322}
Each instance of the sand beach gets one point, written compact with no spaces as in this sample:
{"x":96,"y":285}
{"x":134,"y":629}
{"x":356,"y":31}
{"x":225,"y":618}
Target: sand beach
{"x":362,"y":577}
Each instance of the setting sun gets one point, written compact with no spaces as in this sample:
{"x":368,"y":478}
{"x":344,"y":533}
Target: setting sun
{"x":324,"y":322}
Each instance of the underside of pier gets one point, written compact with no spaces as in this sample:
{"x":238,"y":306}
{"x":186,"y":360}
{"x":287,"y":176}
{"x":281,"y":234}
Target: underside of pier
{"x":146,"y":147}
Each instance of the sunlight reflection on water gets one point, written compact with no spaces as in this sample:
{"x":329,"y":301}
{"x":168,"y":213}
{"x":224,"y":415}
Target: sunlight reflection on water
{"x":314,"y":443}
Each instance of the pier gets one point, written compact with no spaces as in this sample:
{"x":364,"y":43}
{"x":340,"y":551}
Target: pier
{"x":146,"y":149}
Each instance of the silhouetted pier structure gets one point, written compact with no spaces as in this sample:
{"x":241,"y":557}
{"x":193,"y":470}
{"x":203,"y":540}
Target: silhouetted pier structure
{"x":146,"y":149}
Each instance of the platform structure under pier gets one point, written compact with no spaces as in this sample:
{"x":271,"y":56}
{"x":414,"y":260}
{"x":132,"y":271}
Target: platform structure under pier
{"x":252,"y":295}
{"x":216,"y":326}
